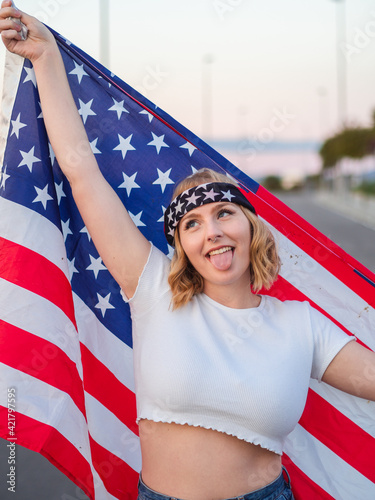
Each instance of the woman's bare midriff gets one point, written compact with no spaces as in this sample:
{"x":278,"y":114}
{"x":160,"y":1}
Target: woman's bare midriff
{"x":193,"y":463}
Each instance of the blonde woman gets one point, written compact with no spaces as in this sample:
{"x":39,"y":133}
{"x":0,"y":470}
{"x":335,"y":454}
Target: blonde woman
{"x":221,"y":372}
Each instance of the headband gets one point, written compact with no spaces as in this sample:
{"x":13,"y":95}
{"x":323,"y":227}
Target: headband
{"x":197,"y":196}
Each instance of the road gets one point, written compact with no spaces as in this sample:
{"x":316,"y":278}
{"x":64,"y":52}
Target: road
{"x":38,"y":480}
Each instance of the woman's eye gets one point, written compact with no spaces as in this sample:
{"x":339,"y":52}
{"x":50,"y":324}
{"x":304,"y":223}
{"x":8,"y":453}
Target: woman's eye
{"x":224,"y":212}
{"x":191,"y":223}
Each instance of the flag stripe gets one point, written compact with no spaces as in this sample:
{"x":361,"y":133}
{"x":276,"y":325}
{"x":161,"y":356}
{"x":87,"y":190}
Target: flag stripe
{"x":34,"y":272}
{"x":41,"y":359}
{"x":106,"y":388}
{"x":352,"y":443}
{"x":48,"y":441}
{"x":328,"y":254}
{"x":302,"y":486}
{"x":119,"y":479}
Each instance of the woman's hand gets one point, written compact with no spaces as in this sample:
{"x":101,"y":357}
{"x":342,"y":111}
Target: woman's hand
{"x":39,"y":39}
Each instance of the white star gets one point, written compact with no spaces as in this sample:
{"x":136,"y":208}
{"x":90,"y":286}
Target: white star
{"x":94,"y":149}
{"x":129,"y":183}
{"x":150,"y":115}
{"x":227,"y":195}
{"x":51,"y":154}
{"x":178,"y":207}
{"x":43,"y":196}
{"x":189,"y":147}
{"x":163,"y":179}
{"x":72,"y":268}
{"x":96,"y":266}
{"x":124,"y":145}
{"x":17,"y":125}
{"x":162,"y":217}
{"x":193,"y":199}
{"x":194,"y":170}
{"x":103,"y":303}
{"x":78,"y":71}
{"x":65,"y":228}
{"x":29,"y":159}
{"x":85,"y":231}
{"x":30,"y":76}
{"x":3,"y":177}
{"x":118,"y":107}
{"x":210,"y":195}
{"x":137,"y":219}
{"x":41,"y":112}
{"x":85,"y":110}
{"x":59,"y":192}
{"x":158,"y":142}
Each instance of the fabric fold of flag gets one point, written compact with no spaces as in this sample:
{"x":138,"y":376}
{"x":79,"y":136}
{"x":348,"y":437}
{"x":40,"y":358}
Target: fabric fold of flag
{"x":65,"y":332}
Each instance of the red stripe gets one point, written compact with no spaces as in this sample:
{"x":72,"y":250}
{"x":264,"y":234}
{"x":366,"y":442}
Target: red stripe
{"x":48,"y":441}
{"x":119,"y":478}
{"x":102,"y":384}
{"x":302,"y":486}
{"x":314,"y":243}
{"x":40,"y":359}
{"x":32,"y":271}
{"x":354,"y":445}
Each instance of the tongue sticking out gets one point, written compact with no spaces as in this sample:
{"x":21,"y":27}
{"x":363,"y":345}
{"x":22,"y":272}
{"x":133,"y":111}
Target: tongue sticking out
{"x":222,"y":261}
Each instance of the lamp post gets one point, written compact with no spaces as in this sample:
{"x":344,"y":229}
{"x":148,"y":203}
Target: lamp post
{"x":104,"y":32}
{"x":341,"y":63}
{"x":207,"y":101}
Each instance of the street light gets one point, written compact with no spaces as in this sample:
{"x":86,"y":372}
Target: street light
{"x":104,"y":32}
{"x":341,"y":63}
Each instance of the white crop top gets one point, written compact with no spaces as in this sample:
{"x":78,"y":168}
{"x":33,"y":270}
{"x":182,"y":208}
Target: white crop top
{"x":244,"y":372}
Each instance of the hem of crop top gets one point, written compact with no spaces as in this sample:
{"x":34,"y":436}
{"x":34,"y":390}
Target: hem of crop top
{"x":256,"y":439}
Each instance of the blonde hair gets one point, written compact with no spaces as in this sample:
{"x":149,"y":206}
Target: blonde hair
{"x":185,"y":281}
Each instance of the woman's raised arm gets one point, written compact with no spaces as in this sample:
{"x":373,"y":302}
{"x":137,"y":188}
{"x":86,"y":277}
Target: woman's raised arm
{"x":121,"y":245}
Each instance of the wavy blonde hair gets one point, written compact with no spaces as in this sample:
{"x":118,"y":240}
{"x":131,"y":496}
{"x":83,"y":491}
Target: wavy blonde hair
{"x":185,"y":281}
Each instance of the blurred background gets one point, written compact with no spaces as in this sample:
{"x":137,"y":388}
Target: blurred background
{"x":282,"y":88}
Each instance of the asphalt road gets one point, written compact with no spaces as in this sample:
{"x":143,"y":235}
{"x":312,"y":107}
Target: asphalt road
{"x":37,"y":479}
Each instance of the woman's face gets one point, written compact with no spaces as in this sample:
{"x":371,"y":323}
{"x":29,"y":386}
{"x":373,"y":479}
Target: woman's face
{"x":216,"y":239}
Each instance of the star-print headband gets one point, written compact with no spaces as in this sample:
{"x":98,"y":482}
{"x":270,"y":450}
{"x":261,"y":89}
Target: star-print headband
{"x":197,"y":196}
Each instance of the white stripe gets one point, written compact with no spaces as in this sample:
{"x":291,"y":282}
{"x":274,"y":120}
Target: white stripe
{"x":27,"y":228}
{"x":120,"y":441}
{"x":327,"y":291}
{"x":106,"y":347}
{"x":326,"y":469}
{"x":360,"y":411}
{"x":12,"y":73}
{"x":47,"y":405}
{"x":37,"y":315}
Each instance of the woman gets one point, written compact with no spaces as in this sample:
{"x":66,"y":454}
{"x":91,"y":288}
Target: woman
{"x":229,"y":371}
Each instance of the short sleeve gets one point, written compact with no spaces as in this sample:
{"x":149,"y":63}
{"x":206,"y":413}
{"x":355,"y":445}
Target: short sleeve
{"x":329,"y":339}
{"x":152,"y":283}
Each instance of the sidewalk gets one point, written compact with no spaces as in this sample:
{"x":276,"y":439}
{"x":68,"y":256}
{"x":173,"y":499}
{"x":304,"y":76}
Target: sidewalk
{"x":354,"y":206}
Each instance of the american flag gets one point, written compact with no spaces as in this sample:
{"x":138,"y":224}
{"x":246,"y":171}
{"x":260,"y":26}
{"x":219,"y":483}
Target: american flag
{"x":65,"y":332}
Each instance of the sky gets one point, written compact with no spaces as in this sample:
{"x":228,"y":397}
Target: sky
{"x":234,"y":69}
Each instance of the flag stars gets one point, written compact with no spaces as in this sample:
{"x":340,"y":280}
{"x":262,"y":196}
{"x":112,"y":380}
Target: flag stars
{"x":72,"y":269}
{"x":17,"y":125}
{"x":66,"y":229}
{"x":137,"y":219}
{"x":124,"y":145}
{"x":96,"y":266}
{"x":149,"y":115}
{"x":84,"y":230}
{"x":59,"y":192}
{"x":104,"y":304}
{"x":3,"y":177}
{"x":94,"y":149}
{"x":162,"y":217}
{"x":210,"y":195}
{"x":78,"y":71}
{"x":227,"y":195}
{"x":85,"y":110}
{"x":129,"y":183}
{"x":158,"y":142}
{"x":163,"y":179}
{"x":29,"y":159}
{"x":118,"y":106}
{"x":43,"y":196}
{"x":30,"y":77}
{"x":189,"y":147}
{"x":51,"y":154}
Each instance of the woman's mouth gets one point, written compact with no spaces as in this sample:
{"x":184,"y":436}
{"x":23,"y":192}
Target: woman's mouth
{"x":221,"y":258}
